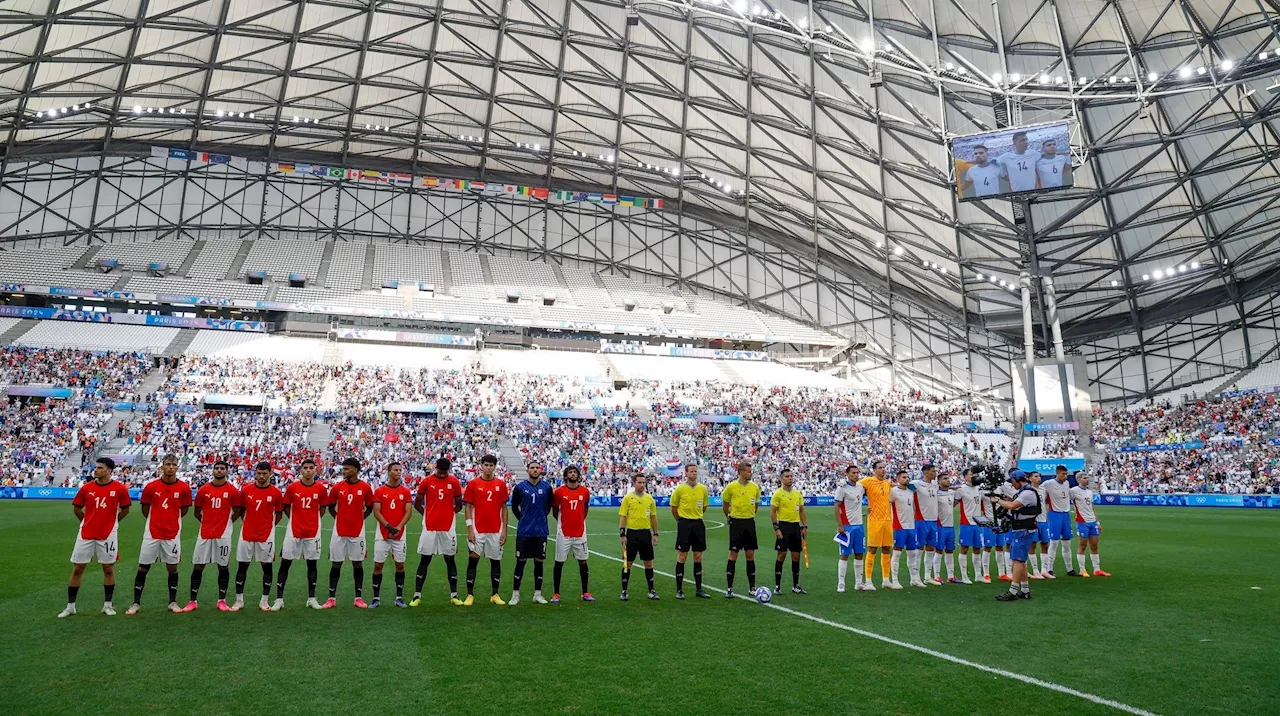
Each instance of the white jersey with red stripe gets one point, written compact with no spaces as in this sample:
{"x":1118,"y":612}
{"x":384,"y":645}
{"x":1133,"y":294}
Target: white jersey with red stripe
{"x":849,"y":500}
{"x":970,"y":504}
{"x":926,"y":500}
{"x":945,"y":503}
{"x":1083,"y":499}
{"x":1044,"y":514}
{"x":903,"y":503}
{"x":1058,"y":495}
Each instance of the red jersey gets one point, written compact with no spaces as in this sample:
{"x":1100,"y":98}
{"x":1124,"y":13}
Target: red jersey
{"x":261,"y":504}
{"x":395,"y":503}
{"x":215,"y":505}
{"x":488,"y":498}
{"x":165,"y":500}
{"x":439,"y":495}
{"x":351,"y":500}
{"x":572,"y":504}
{"x":304,"y":503}
{"x":101,"y":504}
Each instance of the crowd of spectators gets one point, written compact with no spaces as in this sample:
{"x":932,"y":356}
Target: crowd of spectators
{"x":92,"y":375}
{"x":36,"y":436}
{"x":608,"y":454}
{"x":377,"y":439}
{"x":281,"y":384}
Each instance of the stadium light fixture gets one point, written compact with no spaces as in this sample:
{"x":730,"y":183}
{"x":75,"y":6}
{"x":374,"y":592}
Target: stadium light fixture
{"x":1152,"y":77}
{"x":868,"y":45}
{"x":951,"y":67}
{"x":1195,"y":265}
{"x":1083,"y":81}
{"x":1044,"y":79}
{"x":1111,"y":80}
{"x":1015,"y":78}
{"x":1114,"y":283}
{"x":251,"y":115}
{"x":1184,"y":73}
{"x":1227,"y":65}
{"x":1182,"y":268}
{"x":1058,"y":80}
{"x":897,"y":251}
{"x":40,"y":114}
{"x":996,"y":78}
{"x":1262,"y":55}
{"x":1200,"y":70}
{"x":963,"y":71}
{"x":1158,"y":273}
{"x":1126,"y":79}
{"x":137,"y":109}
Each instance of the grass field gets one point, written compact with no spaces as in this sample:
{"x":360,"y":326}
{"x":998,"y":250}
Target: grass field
{"x":1189,"y":624}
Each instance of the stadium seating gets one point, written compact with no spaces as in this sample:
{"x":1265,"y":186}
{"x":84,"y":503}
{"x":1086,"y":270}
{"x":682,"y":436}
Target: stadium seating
{"x":138,"y":256}
{"x":346,"y":267}
{"x":98,"y":336}
{"x":468,"y":276}
{"x":281,"y":257}
{"x":402,"y":263}
{"x":215,"y":259}
{"x":197,"y":287}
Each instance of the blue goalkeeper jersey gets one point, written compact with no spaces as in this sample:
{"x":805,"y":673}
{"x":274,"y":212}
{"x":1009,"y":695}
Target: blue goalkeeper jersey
{"x":531,"y":504}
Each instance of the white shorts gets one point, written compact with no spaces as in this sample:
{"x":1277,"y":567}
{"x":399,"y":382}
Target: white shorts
{"x":168,"y":551}
{"x":445,"y":543}
{"x":487,"y":545}
{"x":216,"y":550}
{"x":343,"y":548}
{"x":384,"y":547}
{"x":300,"y":548}
{"x":565,"y":545}
{"x":104,"y":550}
{"x":256,"y":551}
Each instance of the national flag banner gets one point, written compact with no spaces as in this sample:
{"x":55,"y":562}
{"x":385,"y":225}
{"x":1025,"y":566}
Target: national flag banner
{"x":430,"y":182}
{"x":369,"y":175}
{"x":564,"y":195}
{"x":400,"y":179}
{"x":461,"y":184}
{"x":284,"y":168}
{"x":673,"y":468}
{"x":214,"y":158}
{"x":159,"y":152}
{"x":595,"y":197}
{"x":301,"y":168}
{"x":610,"y":198}
{"x":539,"y":193}
{"x":336,"y":173}
{"x":627,"y":200}
{"x":494,"y":188}
{"x":510,"y":189}
{"x":654,"y":203}
{"x":240,"y":163}
{"x":579,"y":196}
{"x":525,"y":191}
{"x":477,"y":186}
{"x":353,"y":173}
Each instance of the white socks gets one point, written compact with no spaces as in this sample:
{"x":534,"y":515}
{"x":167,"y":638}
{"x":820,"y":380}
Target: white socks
{"x":841,"y":567}
{"x":893,"y":569}
{"x":913,"y":564}
{"x":1097,"y":561}
{"x":857,"y":573}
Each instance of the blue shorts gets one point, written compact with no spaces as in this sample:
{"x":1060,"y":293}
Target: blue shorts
{"x":945,"y":538}
{"x":1060,"y":526}
{"x":857,"y":541}
{"x":1002,"y":539}
{"x":1020,"y":544}
{"x":926,"y":534}
{"x":970,"y":536}
{"x":988,"y":538}
{"x":1087,"y":529}
{"x":1042,"y":532}
{"x":905,"y":539}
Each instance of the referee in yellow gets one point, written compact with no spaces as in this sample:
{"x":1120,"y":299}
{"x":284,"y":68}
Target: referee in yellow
{"x":688,"y":505}
{"x":638,"y":530}
{"x":790,"y":526}
{"x":741,"y":500}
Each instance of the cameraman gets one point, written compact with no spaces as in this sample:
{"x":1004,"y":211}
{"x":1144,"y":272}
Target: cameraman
{"x":1023,"y":509}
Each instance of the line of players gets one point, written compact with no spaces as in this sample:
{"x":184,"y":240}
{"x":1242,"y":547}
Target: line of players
{"x":1019,"y":170}
{"x":916,"y":517}
{"x":102,"y":503}
{"x":911,"y":517}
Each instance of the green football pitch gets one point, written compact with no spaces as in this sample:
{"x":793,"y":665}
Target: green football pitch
{"x":1188,"y":624}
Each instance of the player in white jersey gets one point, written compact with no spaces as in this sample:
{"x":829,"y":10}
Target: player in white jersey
{"x":983,"y":176}
{"x":1019,"y":165}
{"x":1087,"y":526}
{"x":1057,"y":494}
{"x":1052,"y":168}
{"x":851,"y":535}
{"x":927,"y":523}
{"x":970,"y":529}
{"x":988,"y":539}
{"x":945,"y":531}
{"x":902,"y":503}
{"x":1036,"y":566}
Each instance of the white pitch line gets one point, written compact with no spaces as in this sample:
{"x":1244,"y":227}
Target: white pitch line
{"x":925,"y":650}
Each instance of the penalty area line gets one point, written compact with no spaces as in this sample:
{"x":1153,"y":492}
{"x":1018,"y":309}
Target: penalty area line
{"x":925,"y":650}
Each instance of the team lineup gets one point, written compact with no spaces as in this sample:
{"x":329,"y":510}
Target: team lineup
{"x":903,"y":516}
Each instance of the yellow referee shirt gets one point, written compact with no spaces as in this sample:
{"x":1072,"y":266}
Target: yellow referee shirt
{"x":638,"y":509}
{"x":741,"y":499}
{"x":690,"y":502}
{"x":788,"y":503}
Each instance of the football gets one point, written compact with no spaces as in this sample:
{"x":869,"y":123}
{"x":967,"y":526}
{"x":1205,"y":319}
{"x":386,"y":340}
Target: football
{"x":763,"y":595}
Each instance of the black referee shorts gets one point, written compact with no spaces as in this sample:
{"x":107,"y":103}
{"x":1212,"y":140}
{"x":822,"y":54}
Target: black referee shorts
{"x":639,"y":544}
{"x":742,"y":534}
{"x":791,"y":540}
{"x":691,"y":535}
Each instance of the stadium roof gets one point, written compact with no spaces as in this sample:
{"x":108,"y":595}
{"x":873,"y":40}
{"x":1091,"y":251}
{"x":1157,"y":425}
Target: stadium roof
{"x":820,"y":127}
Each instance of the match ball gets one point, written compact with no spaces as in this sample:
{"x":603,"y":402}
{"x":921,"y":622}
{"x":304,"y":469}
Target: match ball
{"x":763,"y":595}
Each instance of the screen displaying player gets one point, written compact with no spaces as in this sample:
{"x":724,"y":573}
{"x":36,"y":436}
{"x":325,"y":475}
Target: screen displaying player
{"x":1012,"y":161}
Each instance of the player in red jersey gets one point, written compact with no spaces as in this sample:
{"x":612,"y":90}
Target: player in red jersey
{"x":391,"y":509}
{"x":570,"y":503}
{"x":350,"y":502}
{"x":99,"y":505}
{"x":164,"y":503}
{"x":262,"y":508}
{"x":439,"y":498}
{"x":304,"y":500}
{"x":486,"y":513}
{"x":217,"y":507}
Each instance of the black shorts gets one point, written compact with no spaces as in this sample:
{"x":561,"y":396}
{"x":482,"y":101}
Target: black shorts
{"x":639,"y":544}
{"x":791,"y":540}
{"x":742,"y":534}
{"x":691,"y":535}
{"x":531,"y":547}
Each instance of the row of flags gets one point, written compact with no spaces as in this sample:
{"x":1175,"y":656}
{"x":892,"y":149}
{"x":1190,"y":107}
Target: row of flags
{"x":404,"y":179}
